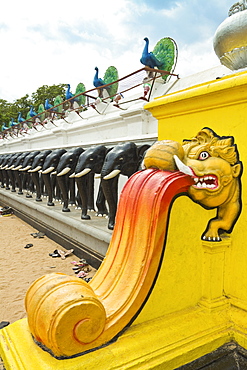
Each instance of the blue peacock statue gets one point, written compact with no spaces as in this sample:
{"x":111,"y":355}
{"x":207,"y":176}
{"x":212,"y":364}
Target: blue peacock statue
{"x":20,"y":119}
{"x":13,"y":123}
{"x":163,"y":57}
{"x":68,"y":94}
{"x":32,"y":113}
{"x":48,"y":105}
{"x":111,"y":75}
{"x":80,"y":100}
{"x":4,"y":127}
{"x":148,"y":58}
{"x":98,"y":82}
{"x":50,"y":108}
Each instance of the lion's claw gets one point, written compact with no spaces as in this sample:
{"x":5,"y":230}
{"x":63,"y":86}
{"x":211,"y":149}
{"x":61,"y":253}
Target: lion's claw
{"x":212,"y":239}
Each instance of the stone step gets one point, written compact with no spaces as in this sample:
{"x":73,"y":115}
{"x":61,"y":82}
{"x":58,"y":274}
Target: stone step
{"x":88,"y":238}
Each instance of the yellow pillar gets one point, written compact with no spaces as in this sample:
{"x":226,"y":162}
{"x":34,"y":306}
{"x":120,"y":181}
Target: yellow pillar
{"x":213,"y":274}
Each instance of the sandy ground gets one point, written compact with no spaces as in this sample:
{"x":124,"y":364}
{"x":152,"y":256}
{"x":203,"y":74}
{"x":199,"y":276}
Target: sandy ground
{"x":19,"y":266}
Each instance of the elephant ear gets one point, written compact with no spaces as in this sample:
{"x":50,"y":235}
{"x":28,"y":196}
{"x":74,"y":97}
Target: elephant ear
{"x":141,"y":150}
{"x":109,"y":149}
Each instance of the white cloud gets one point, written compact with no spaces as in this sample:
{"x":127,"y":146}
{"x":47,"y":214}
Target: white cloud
{"x":195,"y":58}
{"x":60,"y":42}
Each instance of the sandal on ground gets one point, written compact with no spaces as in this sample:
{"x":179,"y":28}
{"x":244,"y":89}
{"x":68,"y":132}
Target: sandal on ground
{"x":3,"y":324}
{"x":29,"y":245}
{"x":82,"y":274}
{"x":64,"y":254}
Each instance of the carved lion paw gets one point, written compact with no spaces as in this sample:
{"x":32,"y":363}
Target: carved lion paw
{"x":211,"y":238}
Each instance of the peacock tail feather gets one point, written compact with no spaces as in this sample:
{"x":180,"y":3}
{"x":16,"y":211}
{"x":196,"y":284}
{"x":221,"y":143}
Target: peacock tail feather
{"x":166,"y":51}
{"x":58,"y":100}
{"x":41,"y":109}
{"x":29,"y":124}
{"x":111,"y":75}
{"x":80,"y":88}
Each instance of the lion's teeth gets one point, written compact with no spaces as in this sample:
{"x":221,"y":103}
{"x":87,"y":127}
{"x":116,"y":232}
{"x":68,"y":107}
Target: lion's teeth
{"x":196,"y":179}
{"x":206,"y":178}
{"x":204,"y":185}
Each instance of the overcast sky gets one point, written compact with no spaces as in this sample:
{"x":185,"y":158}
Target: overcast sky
{"x":56,"y":41}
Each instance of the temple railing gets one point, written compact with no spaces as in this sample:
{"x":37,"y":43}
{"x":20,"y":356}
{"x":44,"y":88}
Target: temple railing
{"x":145,"y":77}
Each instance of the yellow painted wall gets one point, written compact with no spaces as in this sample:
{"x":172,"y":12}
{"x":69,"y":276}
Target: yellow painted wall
{"x":222,"y":106}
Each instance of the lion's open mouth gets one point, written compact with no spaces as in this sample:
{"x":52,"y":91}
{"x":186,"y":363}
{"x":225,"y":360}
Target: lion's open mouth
{"x":206,"y":182}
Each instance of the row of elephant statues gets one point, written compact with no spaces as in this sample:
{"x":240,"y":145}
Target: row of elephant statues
{"x":68,"y":175}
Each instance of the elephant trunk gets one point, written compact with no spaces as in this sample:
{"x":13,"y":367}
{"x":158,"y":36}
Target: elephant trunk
{"x":30,"y":185}
{"x":36,"y":181}
{"x":1,"y":178}
{"x":12,"y":180}
{"x":63,"y":185}
{"x":101,"y":204}
{"x":47,"y":182}
{"x":110,"y":190}
{"x":18,"y":178}
{"x":6,"y":176}
{"x":72,"y":191}
{"x":81,"y":183}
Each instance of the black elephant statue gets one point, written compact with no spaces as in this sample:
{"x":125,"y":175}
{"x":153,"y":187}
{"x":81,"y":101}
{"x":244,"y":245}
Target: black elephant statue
{"x":65,"y":168}
{"x":90,"y":162}
{"x":11,"y":174}
{"x":6,"y":178}
{"x":27,"y":182}
{"x":18,"y":164}
{"x":49,"y":166}
{"x":2,"y":160}
{"x":35,"y":172}
{"x":123,"y":159}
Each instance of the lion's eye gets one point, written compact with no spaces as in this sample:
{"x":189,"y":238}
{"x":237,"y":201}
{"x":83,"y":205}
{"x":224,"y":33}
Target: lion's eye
{"x":203,"y":156}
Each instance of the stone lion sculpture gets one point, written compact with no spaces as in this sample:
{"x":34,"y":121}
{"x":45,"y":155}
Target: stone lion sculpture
{"x":213,"y":163}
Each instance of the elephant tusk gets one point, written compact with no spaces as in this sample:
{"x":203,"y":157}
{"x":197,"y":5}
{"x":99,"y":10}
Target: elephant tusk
{"x":25,"y":168}
{"x":112,"y":174}
{"x":5,"y":167}
{"x":36,"y":169}
{"x":83,"y":172}
{"x":54,"y":173}
{"x":64,"y":171}
{"x":17,"y":168}
{"x":10,"y":168}
{"x":182,"y":167}
{"x":72,"y":176}
{"x":48,"y":170}
{"x":97,"y":176}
